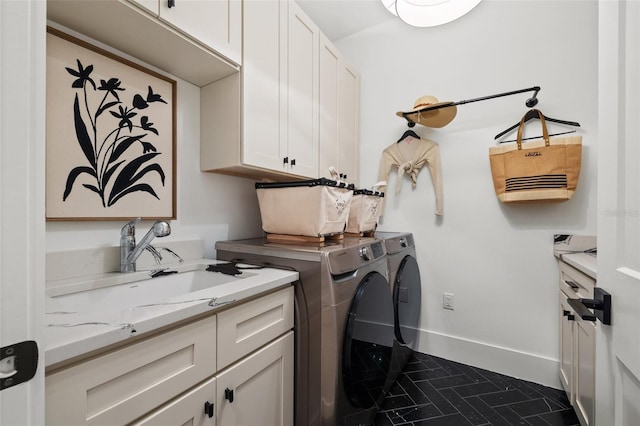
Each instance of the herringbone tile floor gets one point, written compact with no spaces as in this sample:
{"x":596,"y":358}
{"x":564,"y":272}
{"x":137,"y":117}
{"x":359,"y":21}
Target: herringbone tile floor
{"x":435,"y":391}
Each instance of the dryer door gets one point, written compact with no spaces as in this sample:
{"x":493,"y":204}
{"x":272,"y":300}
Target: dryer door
{"x":406,"y":298}
{"x":368,"y":341}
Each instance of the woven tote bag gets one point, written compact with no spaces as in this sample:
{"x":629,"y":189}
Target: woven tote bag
{"x":542,"y":170}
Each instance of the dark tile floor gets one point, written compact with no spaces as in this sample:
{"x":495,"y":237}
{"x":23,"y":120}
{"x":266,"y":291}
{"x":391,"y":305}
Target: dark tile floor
{"x":434,"y":391}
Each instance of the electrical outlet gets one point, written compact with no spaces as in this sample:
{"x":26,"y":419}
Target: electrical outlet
{"x":447,"y":301}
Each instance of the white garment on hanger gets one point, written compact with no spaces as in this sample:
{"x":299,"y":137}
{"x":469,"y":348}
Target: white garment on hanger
{"x":410,"y":155}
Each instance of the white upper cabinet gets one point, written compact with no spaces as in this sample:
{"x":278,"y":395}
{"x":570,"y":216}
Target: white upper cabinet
{"x":268,"y":121}
{"x":302,"y":93}
{"x":214,"y":23}
{"x":197,"y":40}
{"x":280,"y":86}
{"x":339,"y":113}
{"x":265,"y":123}
{"x":263,"y":80}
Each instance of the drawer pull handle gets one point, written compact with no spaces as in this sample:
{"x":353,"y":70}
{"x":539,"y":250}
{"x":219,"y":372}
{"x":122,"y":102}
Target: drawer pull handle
{"x":285,"y":160}
{"x":228,"y":394}
{"x":171,"y":3}
{"x":573,"y":285}
{"x":208,"y":409}
{"x":568,"y":314}
{"x":293,"y":162}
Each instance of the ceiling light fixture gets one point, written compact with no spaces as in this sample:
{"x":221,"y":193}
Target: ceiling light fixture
{"x":429,"y":13}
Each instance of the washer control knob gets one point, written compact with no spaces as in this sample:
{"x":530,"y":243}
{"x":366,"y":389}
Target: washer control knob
{"x":364,"y":253}
{"x":403,"y":242}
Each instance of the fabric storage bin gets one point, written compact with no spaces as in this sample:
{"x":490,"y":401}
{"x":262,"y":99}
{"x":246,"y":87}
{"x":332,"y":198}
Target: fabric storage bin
{"x":311,"y":208}
{"x":365,"y":211}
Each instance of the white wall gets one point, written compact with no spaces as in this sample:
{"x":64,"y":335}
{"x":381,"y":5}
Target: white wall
{"x":211,"y":207}
{"x":496,"y":259}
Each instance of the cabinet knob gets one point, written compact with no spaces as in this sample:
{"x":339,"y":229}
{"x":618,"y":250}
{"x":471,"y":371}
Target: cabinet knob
{"x":208,"y":409}
{"x":293,"y":162}
{"x":285,"y":160}
{"x":228,"y":394}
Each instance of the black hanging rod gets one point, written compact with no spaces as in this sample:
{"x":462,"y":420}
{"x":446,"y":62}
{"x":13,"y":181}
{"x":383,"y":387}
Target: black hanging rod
{"x":531,"y":102}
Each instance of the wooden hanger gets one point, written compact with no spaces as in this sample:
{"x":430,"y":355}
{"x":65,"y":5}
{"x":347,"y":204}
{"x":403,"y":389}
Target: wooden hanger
{"x":408,"y":133}
{"x":533,"y":113}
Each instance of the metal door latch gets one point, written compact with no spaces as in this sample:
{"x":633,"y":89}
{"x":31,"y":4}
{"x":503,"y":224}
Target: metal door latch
{"x":18,"y":363}
{"x":601,"y":305}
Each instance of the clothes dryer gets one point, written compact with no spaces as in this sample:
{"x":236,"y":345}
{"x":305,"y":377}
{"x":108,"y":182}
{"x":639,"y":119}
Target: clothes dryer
{"x":343,"y":355}
{"x":406,"y":288}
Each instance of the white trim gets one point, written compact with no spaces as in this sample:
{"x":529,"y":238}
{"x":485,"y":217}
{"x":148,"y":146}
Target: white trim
{"x":22,"y":224}
{"x":522,"y":365}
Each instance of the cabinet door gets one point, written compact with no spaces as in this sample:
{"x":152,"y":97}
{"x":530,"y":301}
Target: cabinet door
{"x":567,"y":321}
{"x":259,"y":389}
{"x":263,"y":76}
{"x":302,"y":93}
{"x":585,"y":386}
{"x":339,"y":113}
{"x":330,"y":62}
{"x":348,"y":123}
{"x":214,"y":23}
{"x":189,"y":409}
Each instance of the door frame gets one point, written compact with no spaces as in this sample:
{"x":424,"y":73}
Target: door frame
{"x":618,"y":345}
{"x":22,"y":197}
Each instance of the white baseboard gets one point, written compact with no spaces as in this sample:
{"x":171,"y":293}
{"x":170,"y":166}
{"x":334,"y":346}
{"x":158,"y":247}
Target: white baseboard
{"x":522,"y":365}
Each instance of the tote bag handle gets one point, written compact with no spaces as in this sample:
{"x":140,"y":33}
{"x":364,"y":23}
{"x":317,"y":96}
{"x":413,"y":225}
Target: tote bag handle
{"x":545,"y":133}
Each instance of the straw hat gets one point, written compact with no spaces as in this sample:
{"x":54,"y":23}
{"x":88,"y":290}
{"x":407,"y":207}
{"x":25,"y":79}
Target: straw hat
{"x":432,"y":118}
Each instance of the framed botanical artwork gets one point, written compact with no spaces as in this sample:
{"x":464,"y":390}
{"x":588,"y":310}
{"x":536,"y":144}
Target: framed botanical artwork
{"x":111,"y":135}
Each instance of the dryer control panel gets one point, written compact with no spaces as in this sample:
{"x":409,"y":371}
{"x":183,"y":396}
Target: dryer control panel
{"x":352,"y":258}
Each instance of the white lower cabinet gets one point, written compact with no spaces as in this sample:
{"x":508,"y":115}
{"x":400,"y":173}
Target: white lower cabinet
{"x":577,"y":344}
{"x":255,"y":391}
{"x":259,"y":389}
{"x":175,"y":377}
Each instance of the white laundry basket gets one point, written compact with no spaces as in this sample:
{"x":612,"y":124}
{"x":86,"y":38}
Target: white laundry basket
{"x":365,"y":211}
{"x":313,"y":208}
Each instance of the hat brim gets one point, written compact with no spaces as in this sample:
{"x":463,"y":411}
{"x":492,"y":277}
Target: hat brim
{"x":436,"y":118}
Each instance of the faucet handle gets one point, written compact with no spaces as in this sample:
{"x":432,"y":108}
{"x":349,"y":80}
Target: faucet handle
{"x":129,"y":229}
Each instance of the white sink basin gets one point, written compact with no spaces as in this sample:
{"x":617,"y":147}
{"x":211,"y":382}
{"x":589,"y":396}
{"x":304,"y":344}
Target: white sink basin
{"x":145,"y":293}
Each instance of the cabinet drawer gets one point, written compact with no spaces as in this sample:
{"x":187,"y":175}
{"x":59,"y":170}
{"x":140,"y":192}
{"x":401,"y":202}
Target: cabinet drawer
{"x":119,"y":387}
{"x":251,"y":325}
{"x":574,"y":283}
{"x":185,"y":410}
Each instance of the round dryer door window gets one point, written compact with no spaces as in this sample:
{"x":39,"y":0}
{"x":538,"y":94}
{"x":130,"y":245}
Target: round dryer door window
{"x":406,"y":297}
{"x":368,"y":341}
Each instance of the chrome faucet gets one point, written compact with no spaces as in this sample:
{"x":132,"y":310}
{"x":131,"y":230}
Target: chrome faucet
{"x":130,"y":251}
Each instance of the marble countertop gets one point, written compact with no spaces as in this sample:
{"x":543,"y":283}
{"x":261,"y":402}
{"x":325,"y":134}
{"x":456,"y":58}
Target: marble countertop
{"x":584,"y":262}
{"x":579,"y":251}
{"x":89,"y":313}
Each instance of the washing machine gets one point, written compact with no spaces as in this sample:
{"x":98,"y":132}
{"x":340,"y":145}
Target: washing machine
{"x":343,"y":351}
{"x":406,"y":288}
